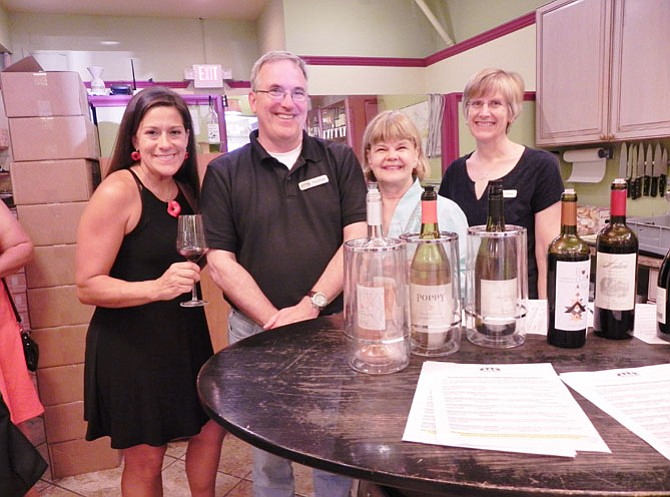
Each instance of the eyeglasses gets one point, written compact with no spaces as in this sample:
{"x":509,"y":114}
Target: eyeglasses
{"x":492,"y":104}
{"x":297,"y":94}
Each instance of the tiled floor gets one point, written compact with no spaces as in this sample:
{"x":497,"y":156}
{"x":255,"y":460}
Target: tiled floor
{"x":234,"y":479}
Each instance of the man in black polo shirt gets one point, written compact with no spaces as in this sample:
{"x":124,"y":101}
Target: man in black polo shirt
{"x":276,"y":214}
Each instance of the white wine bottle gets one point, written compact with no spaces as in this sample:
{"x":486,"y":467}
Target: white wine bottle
{"x":662,"y":301}
{"x":496,"y":273}
{"x":375,"y":288}
{"x":213,"y":134}
{"x":381,"y":343}
{"x":616,"y":271}
{"x":568,"y":274}
{"x":430,"y":284}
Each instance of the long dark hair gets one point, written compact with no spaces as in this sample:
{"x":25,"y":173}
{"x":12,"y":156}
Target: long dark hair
{"x":139,"y":105}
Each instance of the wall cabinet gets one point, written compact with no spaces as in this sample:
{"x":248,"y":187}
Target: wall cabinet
{"x":342,"y":120}
{"x":602,"y":71}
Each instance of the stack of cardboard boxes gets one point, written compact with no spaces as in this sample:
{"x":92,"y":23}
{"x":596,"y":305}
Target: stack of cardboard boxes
{"x":54,"y":171}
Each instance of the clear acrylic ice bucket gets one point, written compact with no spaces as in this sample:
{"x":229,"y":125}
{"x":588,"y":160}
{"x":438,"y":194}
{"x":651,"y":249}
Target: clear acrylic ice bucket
{"x":375,"y":320}
{"x":434,"y":297}
{"x":496,"y":287}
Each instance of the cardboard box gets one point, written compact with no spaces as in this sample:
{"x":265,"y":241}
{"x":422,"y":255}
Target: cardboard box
{"x":43,"y":182}
{"x":57,"y":306}
{"x":51,"y":265}
{"x":64,"y":422}
{"x":44,"y":94}
{"x":61,"y":345}
{"x":51,"y":224}
{"x":75,"y":457}
{"x":61,"y":385}
{"x":59,"y":137}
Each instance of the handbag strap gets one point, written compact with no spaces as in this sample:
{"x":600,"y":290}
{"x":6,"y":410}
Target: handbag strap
{"x":11,"y":301}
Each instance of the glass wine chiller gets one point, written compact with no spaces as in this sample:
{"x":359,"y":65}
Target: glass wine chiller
{"x":496,"y":286}
{"x":375,"y":315}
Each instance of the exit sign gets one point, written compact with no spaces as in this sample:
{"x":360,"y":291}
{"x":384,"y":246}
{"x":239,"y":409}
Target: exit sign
{"x":207,"y":76}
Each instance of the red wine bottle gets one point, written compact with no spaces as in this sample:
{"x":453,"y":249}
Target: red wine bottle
{"x":568,"y":271}
{"x":616,"y":271}
{"x":662,"y":302}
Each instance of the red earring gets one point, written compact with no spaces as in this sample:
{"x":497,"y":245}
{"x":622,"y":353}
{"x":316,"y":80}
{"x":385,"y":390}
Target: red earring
{"x":135,"y":155}
{"x":186,"y":155}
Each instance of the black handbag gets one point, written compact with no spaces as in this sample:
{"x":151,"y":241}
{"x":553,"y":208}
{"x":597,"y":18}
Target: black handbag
{"x":31,"y":350}
{"x":21,"y":465}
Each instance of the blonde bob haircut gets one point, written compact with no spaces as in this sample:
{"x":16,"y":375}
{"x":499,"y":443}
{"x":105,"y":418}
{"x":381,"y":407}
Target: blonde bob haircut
{"x":388,"y":126}
{"x":491,"y":81}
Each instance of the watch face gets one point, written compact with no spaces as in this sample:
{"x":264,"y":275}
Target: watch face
{"x":320,"y":300}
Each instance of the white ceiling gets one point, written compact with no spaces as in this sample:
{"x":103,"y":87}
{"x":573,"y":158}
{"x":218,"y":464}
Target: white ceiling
{"x":247,"y":10}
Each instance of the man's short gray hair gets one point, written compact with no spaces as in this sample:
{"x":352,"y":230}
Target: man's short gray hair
{"x":274,"y":56}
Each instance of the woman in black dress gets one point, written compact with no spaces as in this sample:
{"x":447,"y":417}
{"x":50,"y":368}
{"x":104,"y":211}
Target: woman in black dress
{"x":531,"y":178}
{"x":143,"y":350}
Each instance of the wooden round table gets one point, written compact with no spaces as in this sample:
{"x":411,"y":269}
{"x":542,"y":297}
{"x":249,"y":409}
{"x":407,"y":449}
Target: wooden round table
{"x":290,"y":391}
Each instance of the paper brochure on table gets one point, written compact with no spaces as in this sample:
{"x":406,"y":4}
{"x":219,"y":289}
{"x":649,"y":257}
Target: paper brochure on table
{"x":638,"y":398}
{"x":510,"y":407}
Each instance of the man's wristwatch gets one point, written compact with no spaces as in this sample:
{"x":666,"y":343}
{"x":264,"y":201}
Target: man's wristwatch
{"x":318,"y":299}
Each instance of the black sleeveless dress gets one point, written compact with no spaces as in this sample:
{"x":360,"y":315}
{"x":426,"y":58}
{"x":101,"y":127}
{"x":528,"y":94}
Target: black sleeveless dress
{"x":142,"y":362}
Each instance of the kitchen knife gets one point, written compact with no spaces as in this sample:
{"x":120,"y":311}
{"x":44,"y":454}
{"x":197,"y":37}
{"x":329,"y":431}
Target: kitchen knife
{"x":623,"y":161}
{"x":640,"y":171}
{"x":656,"y":170}
{"x":663,"y":178}
{"x":648,"y":166}
{"x":632,"y":161}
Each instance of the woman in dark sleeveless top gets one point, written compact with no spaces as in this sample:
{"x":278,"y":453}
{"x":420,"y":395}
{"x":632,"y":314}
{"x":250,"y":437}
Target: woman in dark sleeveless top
{"x":143,"y":350}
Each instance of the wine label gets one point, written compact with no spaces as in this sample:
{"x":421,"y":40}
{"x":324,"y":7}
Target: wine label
{"x":213,"y":133}
{"x":572,"y":295}
{"x":498,"y":298}
{"x":370,"y":308}
{"x":431,"y":307}
{"x":660,"y":304}
{"x":615,"y":281}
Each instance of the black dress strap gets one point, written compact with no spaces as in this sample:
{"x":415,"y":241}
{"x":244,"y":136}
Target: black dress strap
{"x":140,"y":185}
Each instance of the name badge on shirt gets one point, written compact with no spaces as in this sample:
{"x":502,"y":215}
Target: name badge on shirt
{"x":312,"y":182}
{"x":509,"y":193}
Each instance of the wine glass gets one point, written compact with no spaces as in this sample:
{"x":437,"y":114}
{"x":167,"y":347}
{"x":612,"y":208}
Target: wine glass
{"x":191,"y":244}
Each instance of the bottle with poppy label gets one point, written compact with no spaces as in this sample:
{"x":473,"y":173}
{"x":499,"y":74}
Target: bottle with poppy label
{"x":568,"y":274}
{"x":430,"y":284}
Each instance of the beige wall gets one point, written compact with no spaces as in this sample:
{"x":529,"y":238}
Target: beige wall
{"x":468,"y":18}
{"x":514,"y":52}
{"x":371,"y":28}
{"x":271,"y":33}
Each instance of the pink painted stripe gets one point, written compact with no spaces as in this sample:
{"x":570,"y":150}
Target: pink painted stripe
{"x":485,"y":37}
{"x":234,"y":83}
{"x":145,"y":84}
{"x":316,"y":60}
{"x":470,"y":43}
